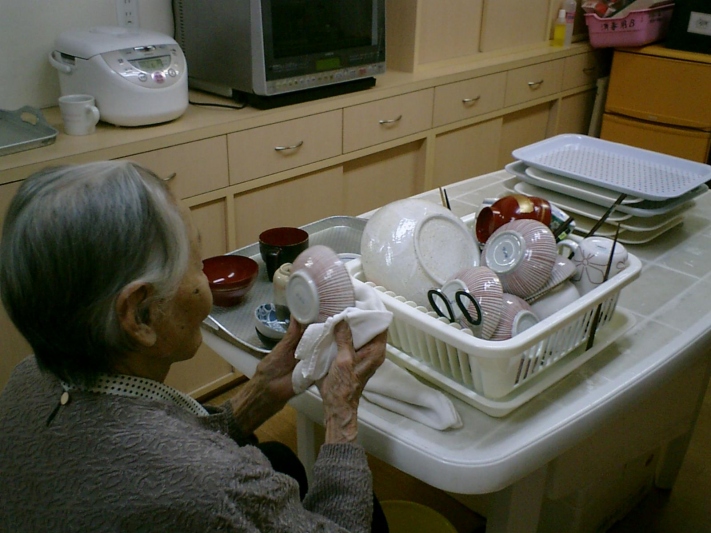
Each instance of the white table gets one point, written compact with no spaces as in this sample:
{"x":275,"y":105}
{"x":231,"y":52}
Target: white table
{"x":639,"y":395}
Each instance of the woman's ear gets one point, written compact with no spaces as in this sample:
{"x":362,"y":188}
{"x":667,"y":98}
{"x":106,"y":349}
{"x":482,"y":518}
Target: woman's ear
{"x":134,"y":311}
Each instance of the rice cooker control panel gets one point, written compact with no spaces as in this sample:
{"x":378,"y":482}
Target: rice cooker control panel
{"x":153,"y":66}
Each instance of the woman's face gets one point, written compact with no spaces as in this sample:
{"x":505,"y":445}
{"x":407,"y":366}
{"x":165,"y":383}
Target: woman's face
{"x":178,"y":325}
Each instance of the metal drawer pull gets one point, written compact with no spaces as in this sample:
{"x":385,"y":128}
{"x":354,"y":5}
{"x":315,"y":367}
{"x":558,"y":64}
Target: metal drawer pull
{"x":471,"y":100}
{"x":168,"y":178}
{"x":535,"y":84}
{"x":292,"y":147}
{"x":390,"y":121}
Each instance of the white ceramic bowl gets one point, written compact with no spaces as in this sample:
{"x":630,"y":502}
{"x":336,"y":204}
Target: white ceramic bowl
{"x":411,"y":246}
{"x":484,"y":285}
{"x":516,"y":317}
{"x":319,"y":286}
{"x":522,"y":253}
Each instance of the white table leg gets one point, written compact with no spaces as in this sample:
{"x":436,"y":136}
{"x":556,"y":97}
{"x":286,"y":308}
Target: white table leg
{"x":306,"y":447}
{"x":517,"y":508}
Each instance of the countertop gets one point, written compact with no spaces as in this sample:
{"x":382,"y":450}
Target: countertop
{"x":672,"y":333}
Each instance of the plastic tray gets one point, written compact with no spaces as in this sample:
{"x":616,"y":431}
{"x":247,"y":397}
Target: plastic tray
{"x":640,"y":27}
{"x":625,"y":169}
{"x":24,"y":129}
{"x":634,"y":230}
{"x":495,"y":369}
{"x":603,"y":197}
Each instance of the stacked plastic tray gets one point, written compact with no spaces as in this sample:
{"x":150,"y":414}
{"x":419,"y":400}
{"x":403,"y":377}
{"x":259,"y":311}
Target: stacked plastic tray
{"x":585,"y":176}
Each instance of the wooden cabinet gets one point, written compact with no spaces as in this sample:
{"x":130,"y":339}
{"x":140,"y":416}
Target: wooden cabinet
{"x":466,"y":152}
{"x":469,"y":98}
{"x":509,"y":23}
{"x":270,"y":149}
{"x":532,"y":82}
{"x":293,"y":202}
{"x":384,"y":120}
{"x":658,"y":99}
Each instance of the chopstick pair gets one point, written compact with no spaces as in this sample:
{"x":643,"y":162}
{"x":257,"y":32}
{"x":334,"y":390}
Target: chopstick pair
{"x":602,"y":220}
{"x":598,"y":311}
{"x":445,"y":198}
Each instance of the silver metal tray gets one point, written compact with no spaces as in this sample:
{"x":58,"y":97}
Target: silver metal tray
{"x":236,"y":324}
{"x":23,"y":129}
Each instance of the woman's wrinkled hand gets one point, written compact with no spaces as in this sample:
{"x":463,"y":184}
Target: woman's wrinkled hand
{"x":342,"y":387}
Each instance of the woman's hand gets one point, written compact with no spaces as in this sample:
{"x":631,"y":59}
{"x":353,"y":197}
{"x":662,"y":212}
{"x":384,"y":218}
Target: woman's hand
{"x":342,"y":387}
{"x":270,"y":388}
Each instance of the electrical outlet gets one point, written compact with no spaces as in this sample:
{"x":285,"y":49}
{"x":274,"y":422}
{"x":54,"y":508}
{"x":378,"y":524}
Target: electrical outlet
{"x":127,"y":13}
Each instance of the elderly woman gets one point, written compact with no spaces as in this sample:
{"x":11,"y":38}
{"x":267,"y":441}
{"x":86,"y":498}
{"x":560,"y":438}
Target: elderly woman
{"x":100,"y":270}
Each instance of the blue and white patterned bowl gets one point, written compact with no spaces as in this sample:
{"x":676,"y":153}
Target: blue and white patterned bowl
{"x":267,"y":323}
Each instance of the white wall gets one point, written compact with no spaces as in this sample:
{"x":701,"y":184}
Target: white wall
{"x":28,"y":29}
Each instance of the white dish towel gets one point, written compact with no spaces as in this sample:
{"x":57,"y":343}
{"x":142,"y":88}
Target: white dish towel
{"x":390,"y":387}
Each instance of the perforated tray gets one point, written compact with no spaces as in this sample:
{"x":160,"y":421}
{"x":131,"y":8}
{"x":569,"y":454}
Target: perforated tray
{"x":625,"y":169}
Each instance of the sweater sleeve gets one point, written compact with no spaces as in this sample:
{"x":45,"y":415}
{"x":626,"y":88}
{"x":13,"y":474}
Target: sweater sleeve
{"x":342,"y":487}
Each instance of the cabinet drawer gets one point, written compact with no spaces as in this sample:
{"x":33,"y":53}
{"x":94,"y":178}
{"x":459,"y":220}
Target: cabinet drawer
{"x":580,"y":70}
{"x":269,"y":149}
{"x":384,"y":120}
{"x":196,"y":167}
{"x":536,"y":81}
{"x":679,"y":142}
{"x":469,"y":98}
{"x":660,"y":90}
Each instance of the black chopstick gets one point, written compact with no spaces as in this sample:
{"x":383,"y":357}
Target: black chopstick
{"x":604,"y":217}
{"x":596,"y":318}
{"x":564,"y":226}
{"x":445,"y":198}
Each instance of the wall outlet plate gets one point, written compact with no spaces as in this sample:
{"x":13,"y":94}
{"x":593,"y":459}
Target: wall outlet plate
{"x":127,"y":13}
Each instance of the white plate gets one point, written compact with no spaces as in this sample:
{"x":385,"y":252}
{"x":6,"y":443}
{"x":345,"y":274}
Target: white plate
{"x":570,"y":204}
{"x":641,"y":173}
{"x":586,"y":191}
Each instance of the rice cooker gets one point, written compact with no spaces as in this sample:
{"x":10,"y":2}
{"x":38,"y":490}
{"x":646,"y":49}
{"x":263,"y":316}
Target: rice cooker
{"x":137,"y":77}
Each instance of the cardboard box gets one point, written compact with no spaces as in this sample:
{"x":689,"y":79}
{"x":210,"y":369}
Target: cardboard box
{"x":690,"y":26}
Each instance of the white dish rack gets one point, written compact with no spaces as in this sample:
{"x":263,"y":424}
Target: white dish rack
{"x":495,"y":370}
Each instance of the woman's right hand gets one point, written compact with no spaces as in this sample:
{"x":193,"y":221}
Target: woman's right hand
{"x":342,"y":387}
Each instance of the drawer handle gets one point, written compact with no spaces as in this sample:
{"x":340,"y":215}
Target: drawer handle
{"x":589,"y":70}
{"x":168,"y":178}
{"x":292,"y":147}
{"x":535,"y":84}
{"x":466,"y":101}
{"x":391,"y":120}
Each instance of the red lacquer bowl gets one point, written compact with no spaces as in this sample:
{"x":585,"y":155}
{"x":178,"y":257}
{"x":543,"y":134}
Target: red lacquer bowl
{"x":230,"y":277}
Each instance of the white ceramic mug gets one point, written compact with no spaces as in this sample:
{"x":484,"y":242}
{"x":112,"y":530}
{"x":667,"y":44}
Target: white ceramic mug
{"x":590,"y":257}
{"x":79,"y":114}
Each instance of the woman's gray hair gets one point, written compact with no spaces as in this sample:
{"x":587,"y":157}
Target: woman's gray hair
{"x":73,"y":238}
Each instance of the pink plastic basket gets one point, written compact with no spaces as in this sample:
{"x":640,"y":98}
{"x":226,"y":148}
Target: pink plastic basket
{"x":636,"y":29}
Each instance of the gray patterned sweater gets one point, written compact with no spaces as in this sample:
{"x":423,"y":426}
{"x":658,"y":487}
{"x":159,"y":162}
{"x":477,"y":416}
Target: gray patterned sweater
{"x":108,"y":463}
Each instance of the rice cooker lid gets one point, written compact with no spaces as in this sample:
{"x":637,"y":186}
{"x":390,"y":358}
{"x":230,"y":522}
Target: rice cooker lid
{"x":101,"y":39}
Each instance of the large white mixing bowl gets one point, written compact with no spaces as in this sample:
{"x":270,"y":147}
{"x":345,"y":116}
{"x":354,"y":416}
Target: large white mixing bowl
{"x":410,"y":246}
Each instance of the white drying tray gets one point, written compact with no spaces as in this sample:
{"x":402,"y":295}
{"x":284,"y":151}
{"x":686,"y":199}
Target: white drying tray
{"x":621,"y":321}
{"x":496,"y":370}
{"x":625,"y":169}
{"x":600,"y":196}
